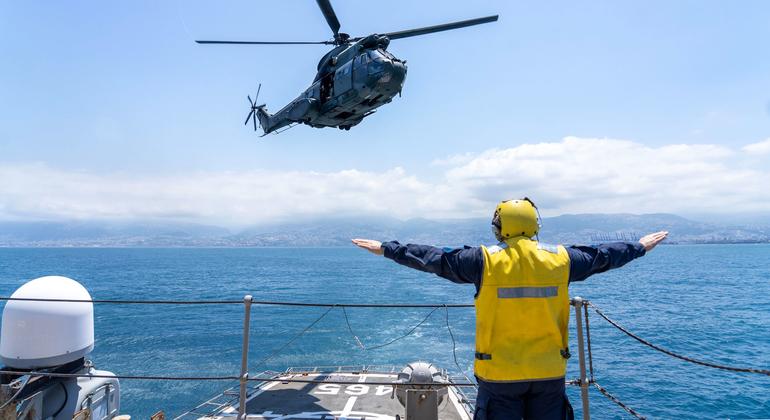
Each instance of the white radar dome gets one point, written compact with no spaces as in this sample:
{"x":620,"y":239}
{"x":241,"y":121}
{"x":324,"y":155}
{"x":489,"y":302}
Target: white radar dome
{"x":39,"y":334}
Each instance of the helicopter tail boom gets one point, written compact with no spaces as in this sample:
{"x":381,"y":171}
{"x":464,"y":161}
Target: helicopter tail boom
{"x":270,"y":123}
{"x":264,"y":118}
{"x":295,"y":112}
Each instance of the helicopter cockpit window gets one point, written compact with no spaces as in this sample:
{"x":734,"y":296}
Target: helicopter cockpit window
{"x":374,"y":55}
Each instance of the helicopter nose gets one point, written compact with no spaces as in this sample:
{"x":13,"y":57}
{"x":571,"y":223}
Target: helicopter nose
{"x":398,"y":69}
{"x":391,"y":78}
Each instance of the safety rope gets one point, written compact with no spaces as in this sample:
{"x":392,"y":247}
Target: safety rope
{"x":460,"y":370}
{"x":293,"y":339}
{"x":672,"y":354}
{"x":240,"y":302}
{"x":454,"y":346}
{"x":379,"y":346}
{"x":618,"y":402}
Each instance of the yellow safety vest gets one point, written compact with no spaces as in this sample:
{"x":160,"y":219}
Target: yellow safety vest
{"x":522,"y":312}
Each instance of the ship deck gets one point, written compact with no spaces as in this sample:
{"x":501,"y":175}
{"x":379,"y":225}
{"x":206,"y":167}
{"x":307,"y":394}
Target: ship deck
{"x":360,"y":394}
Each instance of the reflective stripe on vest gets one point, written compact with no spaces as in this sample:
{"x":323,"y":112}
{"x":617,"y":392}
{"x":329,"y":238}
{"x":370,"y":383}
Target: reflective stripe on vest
{"x":522,"y":312}
{"x":525,"y":292}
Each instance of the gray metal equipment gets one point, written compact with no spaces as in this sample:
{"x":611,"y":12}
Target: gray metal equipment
{"x":45,"y":345}
{"x":38,"y":398}
{"x":417,"y":391}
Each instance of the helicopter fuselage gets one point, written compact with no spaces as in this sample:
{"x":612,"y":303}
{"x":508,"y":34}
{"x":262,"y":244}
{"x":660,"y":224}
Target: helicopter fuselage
{"x":353,"y":80}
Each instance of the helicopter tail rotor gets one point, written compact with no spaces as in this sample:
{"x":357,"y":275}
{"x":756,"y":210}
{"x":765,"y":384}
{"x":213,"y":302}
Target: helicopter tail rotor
{"x":254,"y":109}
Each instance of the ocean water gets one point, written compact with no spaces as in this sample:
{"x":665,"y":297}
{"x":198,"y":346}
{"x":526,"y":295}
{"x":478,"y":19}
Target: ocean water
{"x":706,"y":301}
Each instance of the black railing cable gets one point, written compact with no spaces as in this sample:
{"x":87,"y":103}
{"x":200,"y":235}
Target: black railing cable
{"x":228,"y":378}
{"x":128,"y":302}
{"x":240,"y":302}
{"x":618,"y":402}
{"x":331,"y":306}
{"x":676,"y":355}
{"x":34,"y":373}
{"x":591,"y":379}
{"x":209,"y":378}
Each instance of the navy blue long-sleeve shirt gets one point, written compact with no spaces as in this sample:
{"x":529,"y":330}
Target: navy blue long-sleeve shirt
{"x":466,"y":265}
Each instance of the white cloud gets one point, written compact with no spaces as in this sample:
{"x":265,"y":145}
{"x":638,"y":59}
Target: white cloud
{"x":231,"y":198}
{"x":574,"y":175}
{"x":606,"y":175}
{"x":760,"y":148}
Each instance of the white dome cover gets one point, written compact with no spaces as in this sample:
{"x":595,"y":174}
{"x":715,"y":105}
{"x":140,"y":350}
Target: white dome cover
{"x":42,"y":334}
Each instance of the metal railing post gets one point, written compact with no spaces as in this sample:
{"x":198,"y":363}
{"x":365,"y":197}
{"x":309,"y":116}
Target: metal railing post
{"x":244,"y":357}
{"x":578,"y":303}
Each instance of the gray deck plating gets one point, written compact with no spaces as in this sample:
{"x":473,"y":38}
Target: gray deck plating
{"x":356,"y":400}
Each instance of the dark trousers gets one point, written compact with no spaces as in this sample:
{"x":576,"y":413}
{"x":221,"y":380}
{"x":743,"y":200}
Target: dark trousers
{"x":536,"y":400}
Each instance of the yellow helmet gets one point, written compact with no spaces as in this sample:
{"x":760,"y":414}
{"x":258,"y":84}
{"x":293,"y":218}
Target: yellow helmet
{"x":515,"y":218}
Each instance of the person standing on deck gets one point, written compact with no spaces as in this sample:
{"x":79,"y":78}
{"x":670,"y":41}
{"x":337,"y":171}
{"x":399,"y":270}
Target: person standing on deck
{"x":522,"y":306}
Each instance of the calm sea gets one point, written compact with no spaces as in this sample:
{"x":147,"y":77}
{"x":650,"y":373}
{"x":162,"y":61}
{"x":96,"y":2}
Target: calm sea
{"x":707,"y":301}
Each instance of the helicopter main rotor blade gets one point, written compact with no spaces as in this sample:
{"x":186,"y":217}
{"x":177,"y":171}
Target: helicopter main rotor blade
{"x":439,"y":28}
{"x":331,"y":17}
{"x":268,"y":42}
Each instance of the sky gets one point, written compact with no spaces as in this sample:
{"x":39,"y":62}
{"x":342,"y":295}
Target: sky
{"x":110,"y":111}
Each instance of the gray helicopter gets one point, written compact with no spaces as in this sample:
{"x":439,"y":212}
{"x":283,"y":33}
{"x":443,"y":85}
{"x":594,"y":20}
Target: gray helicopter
{"x":353,"y":79}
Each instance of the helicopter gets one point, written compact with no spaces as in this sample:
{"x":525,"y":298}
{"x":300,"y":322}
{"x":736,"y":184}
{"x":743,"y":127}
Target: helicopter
{"x":353,"y":79}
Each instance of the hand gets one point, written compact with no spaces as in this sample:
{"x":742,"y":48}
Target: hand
{"x":649,"y":241}
{"x":375,"y":247}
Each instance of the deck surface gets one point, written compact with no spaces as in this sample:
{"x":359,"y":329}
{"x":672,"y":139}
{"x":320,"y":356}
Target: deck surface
{"x":358,"y":400}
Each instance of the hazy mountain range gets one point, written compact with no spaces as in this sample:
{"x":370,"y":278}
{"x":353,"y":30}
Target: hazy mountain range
{"x":569,"y":229}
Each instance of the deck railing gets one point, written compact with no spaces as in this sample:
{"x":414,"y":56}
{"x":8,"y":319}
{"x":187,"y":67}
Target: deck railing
{"x":9,"y":392}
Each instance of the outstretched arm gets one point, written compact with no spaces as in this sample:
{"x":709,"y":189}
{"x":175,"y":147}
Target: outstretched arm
{"x":461,"y":265}
{"x":586,"y":261}
{"x":650,"y":241}
{"x":375,"y":247}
